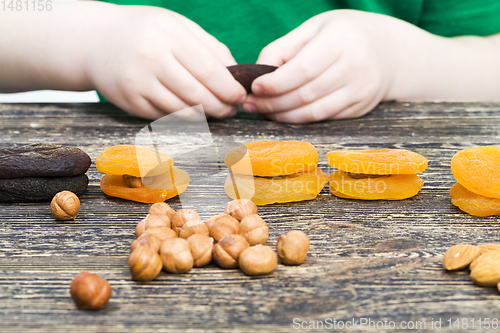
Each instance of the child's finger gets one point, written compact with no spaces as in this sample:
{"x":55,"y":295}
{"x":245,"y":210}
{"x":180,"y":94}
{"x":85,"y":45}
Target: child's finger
{"x":164,"y":100}
{"x":283,"y":49}
{"x":305,"y":66}
{"x":326,"y":83}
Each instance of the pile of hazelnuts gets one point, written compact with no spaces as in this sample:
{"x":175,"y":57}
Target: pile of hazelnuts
{"x":178,"y":241}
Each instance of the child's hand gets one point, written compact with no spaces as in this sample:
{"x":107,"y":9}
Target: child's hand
{"x":338,"y":64}
{"x":151,"y":62}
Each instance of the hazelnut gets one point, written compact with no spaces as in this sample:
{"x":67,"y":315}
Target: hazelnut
{"x":162,"y":208}
{"x":132,"y":181}
{"x":181,"y":217}
{"x":193,"y":227}
{"x":201,"y":247}
{"x":146,"y":239}
{"x":292,"y":247}
{"x":240,"y":208}
{"x":65,"y":206}
{"x":176,"y":256}
{"x":162,"y":233}
{"x":213,"y":219}
{"x":145,"y":264}
{"x":152,"y":221}
{"x":254,"y":229}
{"x":228,"y":249}
{"x":89,"y":291}
{"x":258,"y":260}
{"x":224,"y":225}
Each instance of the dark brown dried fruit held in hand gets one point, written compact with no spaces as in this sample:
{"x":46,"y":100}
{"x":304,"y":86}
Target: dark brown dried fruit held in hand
{"x":245,"y":74}
{"x":42,"y":160}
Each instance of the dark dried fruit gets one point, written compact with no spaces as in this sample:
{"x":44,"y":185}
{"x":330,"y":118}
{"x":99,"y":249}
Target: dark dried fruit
{"x":245,"y":74}
{"x":42,"y":160}
{"x":33,"y":189}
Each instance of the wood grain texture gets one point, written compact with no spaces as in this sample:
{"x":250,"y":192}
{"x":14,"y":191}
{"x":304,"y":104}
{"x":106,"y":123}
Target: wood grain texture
{"x":378,"y":260}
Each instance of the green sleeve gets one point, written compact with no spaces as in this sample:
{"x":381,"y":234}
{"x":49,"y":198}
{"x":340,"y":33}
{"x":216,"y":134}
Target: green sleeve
{"x":451,"y":18}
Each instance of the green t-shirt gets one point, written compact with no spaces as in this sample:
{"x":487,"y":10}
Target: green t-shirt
{"x":248,"y":26}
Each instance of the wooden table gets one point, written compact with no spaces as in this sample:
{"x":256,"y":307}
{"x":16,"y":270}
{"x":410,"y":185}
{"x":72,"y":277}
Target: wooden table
{"x":378,"y":260}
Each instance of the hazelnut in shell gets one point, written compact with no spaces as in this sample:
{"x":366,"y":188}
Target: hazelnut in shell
{"x":228,"y":249}
{"x":89,"y":291}
{"x":193,"y":227}
{"x":201,"y":247}
{"x":162,"y":208}
{"x":162,"y":233}
{"x":151,"y":221}
{"x":224,"y":225}
{"x":65,"y":206}
{"x":292,"y":247}
{"x":258,"y":260}
{"x":181,"y":217}
{"x":254,"y":229}
{"x":240,"y":208}
{"x":146,"y":239}
{"x":176,"y":256}
{"x":145,"y":264}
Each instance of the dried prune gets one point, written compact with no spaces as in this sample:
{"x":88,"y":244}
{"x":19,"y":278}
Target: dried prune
{"x":378,"y":162}
{"x":115,"y":186}
{"x":246,"y":73}
{"x":42,"y":160}
{"x":477,"y":170}
{"x":265,"y":191}
{"x":33,"y":189}
{"x":473,"y":203}
{"x":394,"y":187}
{"x":272,"y":158}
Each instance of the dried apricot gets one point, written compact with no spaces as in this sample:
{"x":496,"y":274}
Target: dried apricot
{"x":246,"y":73}
{"x":137,"y":161}
{"x":477,"y":170}
{"x":115,"y":186}
{"x":378,"y":162}
{"x":473,"y":203}
{"x":272,"y":158}
{"x":265,"y":191}
{"x":393,"y":187}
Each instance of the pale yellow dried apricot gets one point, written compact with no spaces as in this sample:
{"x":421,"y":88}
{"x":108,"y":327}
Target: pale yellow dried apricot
{"x":115,"y":186}
{"x":378,"y":162}
{"x":272,"y":158}
{"x":394,"y":187}
{"x":477,"y":169}
{"x":472,"y":203}
{"x":137,"y":161}
{"x":265,"y":191}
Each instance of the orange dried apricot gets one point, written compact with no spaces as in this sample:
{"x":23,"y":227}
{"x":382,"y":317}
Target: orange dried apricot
{"x":272,"y":158}
{"x":477,"y":170}
{"x":265,"y":191}
{"x":473,"y":203}
{"x":137,"y":161}
{"x":114,"y":185}
{"x":393,"y":187}
{"x":378,"y":162}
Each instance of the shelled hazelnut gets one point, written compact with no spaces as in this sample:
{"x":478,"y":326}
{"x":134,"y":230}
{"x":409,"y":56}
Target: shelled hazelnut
{"x":89,"y":291}
{"x":201,"y":247}
{"x":132,"y":181}
{"x":146,"y":239}
{"x":162,"y":208}
{"x":162,"y":233}
{"x":257,"y":260}
{"x":145,"y":264}
{"x":176,"y":256}
{"x":292,"y":247}
{"x":228,"y":249}
{"x":151,"y":221}
{"x":181,"y":217}
{"x":65,"y":206}
{"x":254,"y":229}
{"x":240,"y":208}
{"x":212,"y":219}
{"x":193,"y":227}
{"x":224,"y":225}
